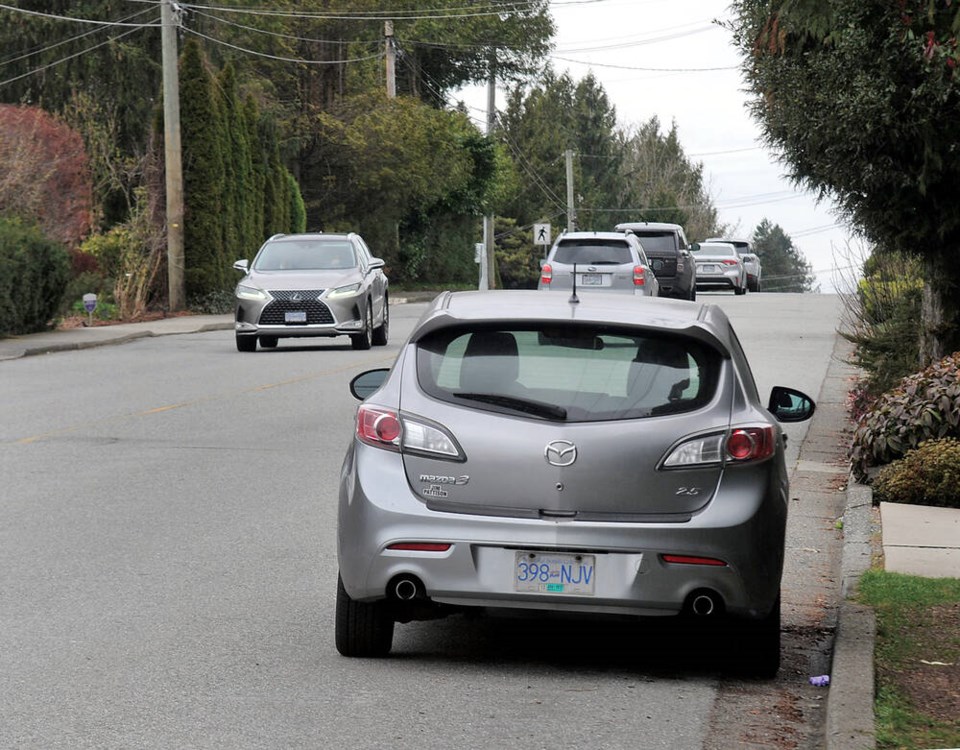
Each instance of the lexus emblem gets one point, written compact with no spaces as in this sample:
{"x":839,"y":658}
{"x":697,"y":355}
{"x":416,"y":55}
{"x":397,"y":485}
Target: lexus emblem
{"x":295,"y":298}
{"x":560,"y":453}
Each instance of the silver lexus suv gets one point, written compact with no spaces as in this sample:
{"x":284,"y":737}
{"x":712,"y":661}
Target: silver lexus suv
{"x":592,"y":455}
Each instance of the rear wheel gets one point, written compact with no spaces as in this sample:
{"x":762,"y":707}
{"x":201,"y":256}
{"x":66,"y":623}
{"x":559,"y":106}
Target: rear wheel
{"x":246,"y":343}
{"x":364,"y":339}
{"x":362,"y":628}
{"x":738,"y":290}
{"x":382,"y":331}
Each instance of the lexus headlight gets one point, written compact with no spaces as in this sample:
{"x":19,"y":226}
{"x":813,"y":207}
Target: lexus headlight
{"x":343,"y":291}
{"x":251,"y":292}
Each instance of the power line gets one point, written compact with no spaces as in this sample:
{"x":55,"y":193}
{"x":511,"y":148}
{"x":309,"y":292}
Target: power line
{"x":444,"y":13}
{"x":278,"y":57}
{"x":71,"y":18}
{"x":40,"y":50}
{"x":647,"y":70}
{"x":67,"y":58}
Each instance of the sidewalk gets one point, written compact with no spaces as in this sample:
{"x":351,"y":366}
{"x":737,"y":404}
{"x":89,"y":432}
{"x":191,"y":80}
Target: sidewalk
{"x":84,"y":337}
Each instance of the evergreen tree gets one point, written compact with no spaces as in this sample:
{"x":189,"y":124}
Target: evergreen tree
{"x":785,"y":269}
{"x":201,"y":130}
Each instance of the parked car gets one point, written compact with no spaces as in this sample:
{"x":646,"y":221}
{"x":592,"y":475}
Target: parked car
{"x":533,"y":454}
{"x":751,"y":261}
{"x":304,"y":285}
{"x":668,"y":250}
{"x":603,"y":260}
{"x":719,"y":265}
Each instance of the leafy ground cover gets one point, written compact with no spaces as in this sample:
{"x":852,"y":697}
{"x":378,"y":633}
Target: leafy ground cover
{"x":917,"y":659}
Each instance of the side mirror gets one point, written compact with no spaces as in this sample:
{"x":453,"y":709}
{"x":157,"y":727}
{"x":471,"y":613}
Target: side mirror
{"x":694,"y":246}
{"x":789,"y":405}
{"x":242,"y":265}
{"x":377,"y":263}
{"x":368,"y":383}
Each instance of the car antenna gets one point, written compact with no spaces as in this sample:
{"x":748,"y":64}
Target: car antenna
{"x":574,"y":300}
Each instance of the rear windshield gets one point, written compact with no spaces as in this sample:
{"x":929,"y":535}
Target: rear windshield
{"x":659,"y":244}
{"x":594,"y":252}
{"x":568,"y":372}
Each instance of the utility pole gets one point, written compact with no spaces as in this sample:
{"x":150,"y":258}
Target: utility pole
{"x":571,"y":208}
{"x":391,"y":55}
{"x":487,"y":275}
{"x":173,"y":161}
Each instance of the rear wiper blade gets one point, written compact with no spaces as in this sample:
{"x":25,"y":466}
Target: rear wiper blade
{"x":527,"y":406}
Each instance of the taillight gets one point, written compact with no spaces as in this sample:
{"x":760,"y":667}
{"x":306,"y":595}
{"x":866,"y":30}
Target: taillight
{"x":546,"y":274}
{"x":638,"y":276}
{"x":750,"y":443}
{"x":741,"y":445}
{"x":730,"y":262}
{"x":379,"y":427}
{"x":383,"y":428}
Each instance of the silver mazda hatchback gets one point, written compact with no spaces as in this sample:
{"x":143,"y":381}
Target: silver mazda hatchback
{"x":585,"y":454}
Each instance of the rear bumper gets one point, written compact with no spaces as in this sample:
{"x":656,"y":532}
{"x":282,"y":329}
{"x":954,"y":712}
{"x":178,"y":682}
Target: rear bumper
{"x":377,"y":509}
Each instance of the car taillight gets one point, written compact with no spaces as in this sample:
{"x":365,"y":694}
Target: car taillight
{"x":750,"y":443}
{"x":383,"y":428}
{"x":379,"y":427}
{"x":741,"y":445}
{"x":546,"y":274}
{"x":729,"y":262}
{"x":638,"y":276}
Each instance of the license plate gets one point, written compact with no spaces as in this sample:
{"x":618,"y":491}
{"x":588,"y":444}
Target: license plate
{"x":295,"y":316}
{"x":591,"y":279}
{"x":708,"y":268}
{"x":555,"y":573}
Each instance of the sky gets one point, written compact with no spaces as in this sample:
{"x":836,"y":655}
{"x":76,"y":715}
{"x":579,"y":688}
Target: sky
{"x":708,"y":103}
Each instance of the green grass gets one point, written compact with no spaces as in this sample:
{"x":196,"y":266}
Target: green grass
{"x":907,"y":634}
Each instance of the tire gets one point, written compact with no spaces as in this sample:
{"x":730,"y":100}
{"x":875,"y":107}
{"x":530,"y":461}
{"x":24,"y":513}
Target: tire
{"x":756,"y":286}
{"x":364,"y":340}
{"x":739,"y":290}
{"x":756,"y":644}
{"x":693,"y":294}
{"x":268,"y":342}
{"x":382,"y":332}
{"x":246,"y":343}
{"x":363,"y":629}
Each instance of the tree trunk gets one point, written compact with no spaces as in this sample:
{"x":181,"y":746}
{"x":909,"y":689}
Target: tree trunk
{"x":939,"y":310}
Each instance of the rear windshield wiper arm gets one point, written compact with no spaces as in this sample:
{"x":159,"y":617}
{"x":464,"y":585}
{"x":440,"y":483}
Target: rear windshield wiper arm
{"x":538,"y":408}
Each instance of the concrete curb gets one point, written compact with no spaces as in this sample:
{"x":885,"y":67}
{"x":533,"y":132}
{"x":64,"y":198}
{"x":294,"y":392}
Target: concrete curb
{"x":850,"y":721}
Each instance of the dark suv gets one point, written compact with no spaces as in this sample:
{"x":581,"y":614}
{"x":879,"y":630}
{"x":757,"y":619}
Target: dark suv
{"x":667,"y":248}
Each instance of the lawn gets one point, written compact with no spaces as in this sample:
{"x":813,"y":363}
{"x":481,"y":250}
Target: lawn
{"x":917,"y":659}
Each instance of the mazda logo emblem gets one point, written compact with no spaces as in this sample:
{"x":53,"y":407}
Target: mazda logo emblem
{"x":560,"y":453}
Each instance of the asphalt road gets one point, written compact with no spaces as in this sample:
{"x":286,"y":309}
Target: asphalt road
{"x":168,"y":567}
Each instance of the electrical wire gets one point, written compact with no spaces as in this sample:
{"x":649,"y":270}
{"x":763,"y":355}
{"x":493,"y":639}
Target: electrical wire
{"x":302,"y":61}
{"x":67,"y":58}
{"x":41,"y":50}
{"x":443,"y":13}
{"x":647,"y":70}
{"x":283,"y":36}
{"x":71,"y":18}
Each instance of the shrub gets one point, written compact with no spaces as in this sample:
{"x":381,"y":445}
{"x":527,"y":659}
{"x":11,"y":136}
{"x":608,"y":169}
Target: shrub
{"x":882,"y":320}
{"x":927,"y":475}
{"x":924,"y":406}
{"x":33,"y":275}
